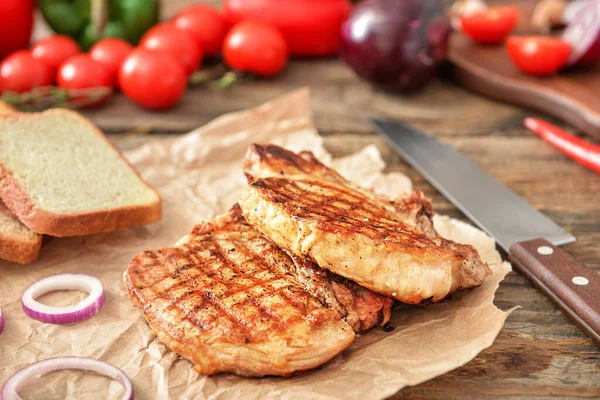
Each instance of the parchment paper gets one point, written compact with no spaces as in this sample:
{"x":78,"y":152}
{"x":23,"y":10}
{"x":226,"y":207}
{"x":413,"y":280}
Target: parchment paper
{"x":199,"y":176}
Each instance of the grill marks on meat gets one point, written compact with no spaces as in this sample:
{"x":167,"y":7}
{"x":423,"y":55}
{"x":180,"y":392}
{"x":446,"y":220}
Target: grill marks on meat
{"x":230,"y":300}
{"x":389,"y":247}
{"x":361,"y":308}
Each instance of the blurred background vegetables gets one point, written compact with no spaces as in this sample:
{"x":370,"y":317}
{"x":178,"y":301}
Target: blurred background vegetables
{"x":579,"y":44}
{"x":490,"y":25}
{"x":256,"y":47}
{"x":583,"y":33}
{"x":21,"y":72}
{"x":396,"y":44}
{"x":166,"y":38}
{"x":464,"y":7}
{"x":205,"y":25}
{"x":55,"y":50}
{"x":310,"y":27}
{"x":82,"y":72}
{"x":111,"y":52}
{"x":16,"y":25}
{"x":152,"y":79}
{"x":538,"y":55}
{"x":88,"y":21}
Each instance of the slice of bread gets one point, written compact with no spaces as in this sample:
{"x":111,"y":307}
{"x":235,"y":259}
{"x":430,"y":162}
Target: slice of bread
{"x":61,"y":176}
{"x":17,"y":242}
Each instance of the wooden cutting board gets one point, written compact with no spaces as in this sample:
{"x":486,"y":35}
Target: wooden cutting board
{"x":573,"y":96}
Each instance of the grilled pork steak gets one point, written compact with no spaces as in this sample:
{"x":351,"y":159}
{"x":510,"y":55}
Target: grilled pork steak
{"x":229,"y":300}
{"x":361,"y":308}
{"x":389,"y":247}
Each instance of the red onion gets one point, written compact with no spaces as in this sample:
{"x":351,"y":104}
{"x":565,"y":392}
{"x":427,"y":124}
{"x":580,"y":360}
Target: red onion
{"x":583,"y":33}
{"x":1,"y":322}
{"x":83,"y":310}
{"x":37,"y":369}
{"x":573,"y":8}
{"x":396,"y":44}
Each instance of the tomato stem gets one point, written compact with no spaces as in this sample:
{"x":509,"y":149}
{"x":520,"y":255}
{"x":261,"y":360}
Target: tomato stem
{"x":99,"y":15}
{"x":207,"y":75}
{"x":45,"y":97}
{"x":227,"y":81}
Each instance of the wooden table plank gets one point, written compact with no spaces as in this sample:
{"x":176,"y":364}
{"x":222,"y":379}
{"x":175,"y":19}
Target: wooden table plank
{"x":341,"y":103}
{"x":539,"y":353}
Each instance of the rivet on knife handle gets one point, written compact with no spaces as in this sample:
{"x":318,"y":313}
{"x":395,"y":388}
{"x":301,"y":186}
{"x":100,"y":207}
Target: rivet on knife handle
{"x":574,"y":287}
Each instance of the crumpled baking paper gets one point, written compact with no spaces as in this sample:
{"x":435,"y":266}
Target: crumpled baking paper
{"x":199,"y":176}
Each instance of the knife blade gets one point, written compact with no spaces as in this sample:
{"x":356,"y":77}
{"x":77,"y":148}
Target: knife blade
{"x":529,"y":237}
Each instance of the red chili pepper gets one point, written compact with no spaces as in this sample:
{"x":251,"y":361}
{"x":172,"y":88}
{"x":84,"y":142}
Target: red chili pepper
{"x":16,"y":25}
{"x":311,"y":27}
{"x":585,"y":153}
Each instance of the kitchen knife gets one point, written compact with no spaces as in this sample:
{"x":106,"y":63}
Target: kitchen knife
{"x":529,"y":237}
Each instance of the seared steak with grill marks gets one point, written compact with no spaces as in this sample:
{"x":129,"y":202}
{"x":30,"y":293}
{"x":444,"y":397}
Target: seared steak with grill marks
{"x":229,"y":300}
{"x":389,"y":247}
{"x":361,"y":308}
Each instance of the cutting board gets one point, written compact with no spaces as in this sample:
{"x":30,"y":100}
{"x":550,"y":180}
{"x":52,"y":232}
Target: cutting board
{"x":572,"y":95}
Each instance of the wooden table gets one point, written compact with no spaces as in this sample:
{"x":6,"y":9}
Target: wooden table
{"x":539,"y":353}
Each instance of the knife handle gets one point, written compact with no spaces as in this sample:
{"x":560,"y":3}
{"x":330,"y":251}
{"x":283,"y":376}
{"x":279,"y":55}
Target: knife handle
{"x":572,"y":286}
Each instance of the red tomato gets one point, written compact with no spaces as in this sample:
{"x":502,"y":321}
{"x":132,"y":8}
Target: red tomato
{"x":54,"y":50}
{"x":153,"y":79}
{"x":111,"y":52}
{"x":81,"y":72}
{"x":20,"y":72}
{"x":491,"y":25}
{"x":310,"y":27}
{"x":205,"y":25}
{"x":165,"y":37}
{"x":16,"y":24}
{"x":538,"y":55}
{"x":255,"y":47}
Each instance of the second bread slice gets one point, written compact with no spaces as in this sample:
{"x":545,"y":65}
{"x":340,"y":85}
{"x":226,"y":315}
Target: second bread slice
{"x":60,"y":175}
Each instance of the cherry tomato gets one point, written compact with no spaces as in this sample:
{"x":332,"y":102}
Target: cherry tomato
{"x":81,"y":72}
{"x":538,"y":55}
{"x":491,"y":25}
{"x":255,"y":47}
{"x":20,"y":72}
{"x":55,"y":50}
{"x":205,"y":25}
{"x":165,"y":37}
{"x":16,"y":25}
{"x":153,"y":79}
{"x":111,"y":52}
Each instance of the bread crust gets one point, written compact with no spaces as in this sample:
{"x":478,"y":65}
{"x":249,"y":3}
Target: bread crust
{"x":44,"y":222}
{"x":22,"y":252}
{"x":41,"y":221}
{"x":12,"y":249}
{"x":6,"y":210}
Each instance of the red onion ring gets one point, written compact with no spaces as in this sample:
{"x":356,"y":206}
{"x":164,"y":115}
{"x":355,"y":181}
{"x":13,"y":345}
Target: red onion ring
{"x":572,"y":9}
{"x":83,"y":310}
{"x":583,"y":33}
{"x":37,"y":369}
{"x":1,"y":322}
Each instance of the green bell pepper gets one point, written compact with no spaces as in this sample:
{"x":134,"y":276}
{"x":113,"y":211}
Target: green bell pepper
{"x":91,"y":20}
